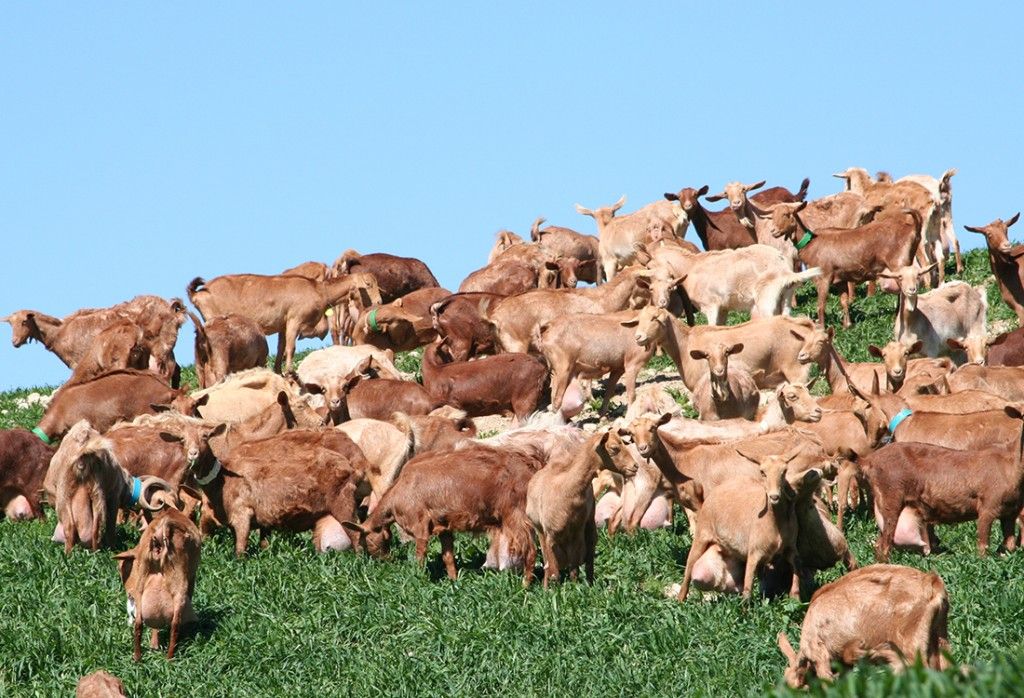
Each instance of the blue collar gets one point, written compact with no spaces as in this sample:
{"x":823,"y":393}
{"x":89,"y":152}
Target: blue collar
{"x":136,"y":490}
{"x":898,"y":419}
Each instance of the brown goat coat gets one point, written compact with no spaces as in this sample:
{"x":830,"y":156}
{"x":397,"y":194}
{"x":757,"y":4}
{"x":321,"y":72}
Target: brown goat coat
{"x":560,"y":505}
{"x":947,"y":486}
{"x":109,"y":398}
{"x":461,"y":321}
{"x":24,"y":459}
{"x":159,"y":576}
{"x":227,"y":344}
{"x":473,"y":489}
{"x":880,"y":612}
{"x":489,"y":385}
{"x":396,"y":276}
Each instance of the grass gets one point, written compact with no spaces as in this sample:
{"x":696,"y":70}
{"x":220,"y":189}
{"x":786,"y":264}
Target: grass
{"x":286,"y":621}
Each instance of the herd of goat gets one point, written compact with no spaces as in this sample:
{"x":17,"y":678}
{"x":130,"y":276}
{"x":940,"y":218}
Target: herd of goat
{"x":348,"y":446}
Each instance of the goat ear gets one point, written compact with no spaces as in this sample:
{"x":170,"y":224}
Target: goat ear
{"x":972,"y":229}
{"x":217,"y":430}
{"x":715,"y":197}
{"x":698,"y":354}
{"x":665,"y":419}
{"x":874,"y":383}
{"x":735,"y":348}
{"x":354,"y":527}
{"x":630,"y":323}
{"x":671,"y":197}
{"x":1015,"y":411}
{"x":955,"y":344}
{"x":874,"y":351}
{"x":584,"y":211}
{"x":159,"y":408}
{"x":797,"y":335}
{"x":810,"y":383}
{"x":313,"y":388}
{"x":915,"y":347}
{"x":169,"y":437}
{"x":755,"y":185}
{"x":1013,"y":219}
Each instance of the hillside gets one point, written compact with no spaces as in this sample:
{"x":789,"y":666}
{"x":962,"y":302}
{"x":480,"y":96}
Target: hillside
{"x":286,"y":621}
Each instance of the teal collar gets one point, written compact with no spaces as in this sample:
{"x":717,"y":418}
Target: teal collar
{"x":214,"y":471}
{"x":371,"y":320}
{"x":42,"y":435}
{"x":805,"y":240}
{"x":898,"y":419}
{"x":136,"y":490}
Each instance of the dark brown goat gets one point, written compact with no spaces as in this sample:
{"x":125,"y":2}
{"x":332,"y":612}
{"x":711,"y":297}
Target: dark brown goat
{"x":888,"y":242}
{"x":489,"y":385}
{"x":948,"y":486}
{"x":23,"y":462}
{"x":109,"y":398}
{"x":473,"y":489}
{"x":461,"y":321}
{"x":396,"y":276}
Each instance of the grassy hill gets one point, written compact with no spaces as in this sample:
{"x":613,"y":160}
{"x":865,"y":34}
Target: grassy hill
{"x":286,"y":621}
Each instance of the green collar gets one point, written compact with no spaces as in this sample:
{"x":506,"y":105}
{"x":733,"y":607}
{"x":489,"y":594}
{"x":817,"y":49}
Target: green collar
{"x":805,"y":240}
{"x":42,"y":435}
{"x":371,"y":320}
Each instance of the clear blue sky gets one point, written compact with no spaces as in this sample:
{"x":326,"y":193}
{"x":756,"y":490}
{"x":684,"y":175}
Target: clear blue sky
{"x":144,"y":144}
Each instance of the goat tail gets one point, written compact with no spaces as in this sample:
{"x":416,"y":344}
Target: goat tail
{"x":801,"y":194}
{"x":194,"y":286}
{"x":535,"y":229}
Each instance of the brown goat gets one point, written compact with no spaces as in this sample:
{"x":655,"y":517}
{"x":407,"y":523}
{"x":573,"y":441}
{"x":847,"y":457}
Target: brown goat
{"x":1005,"y":381}
{"x":489,"y":385}
{"x":509,"y":278}
{"x":721,"y":393}
{"x":461,"y":321}
{"x":516,"y":319}
{"x":889,"y":613}
{"x":560,"y":505}
{"x":566,"y":243}
{"x":590,"y":346}
{"x":99,"y":684}
{"x":769,"y":347}
{"x":106,"y":399}
{"x":159,"y":576}
{"x":1007,"y":349}
{"x":863,"y":253}
{"x":948,"y":486}
{"x":226,"y":344}
{"x":23,"y":462}
{"x":288,"y":481}
{"x":288,"y":305}
{"x":721,"y":230}
{"x":751,"y":519}
{"x":379,"y":398}
{"x":473,"y":489}
{"x":396,"y":276}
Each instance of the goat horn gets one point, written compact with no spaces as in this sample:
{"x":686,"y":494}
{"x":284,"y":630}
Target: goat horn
{"x":151,"y":481}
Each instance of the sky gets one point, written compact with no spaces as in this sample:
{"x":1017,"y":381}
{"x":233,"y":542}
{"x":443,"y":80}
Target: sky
{"x":144,"y":144}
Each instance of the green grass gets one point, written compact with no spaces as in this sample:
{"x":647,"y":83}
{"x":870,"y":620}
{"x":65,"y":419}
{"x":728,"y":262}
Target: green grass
{"x":286,"y":621}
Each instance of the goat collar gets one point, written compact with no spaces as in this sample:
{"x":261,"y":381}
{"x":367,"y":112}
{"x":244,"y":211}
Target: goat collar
{"x":898,"y":419}
{"x":42,"y":435}
{"x":371,"y":320}
{"x":136,"y":491}
{"x":208,"y":478}
{"x":805,"y":240}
